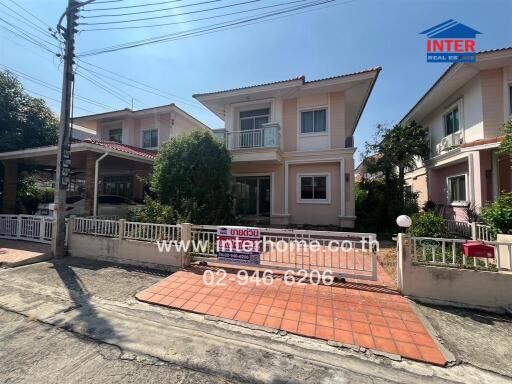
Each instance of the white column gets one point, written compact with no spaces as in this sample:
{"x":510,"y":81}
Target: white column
{"x":286,"y":184}
{"x":475,"y":178}
{"x":343,"y":203}
{"x":495,"y":175}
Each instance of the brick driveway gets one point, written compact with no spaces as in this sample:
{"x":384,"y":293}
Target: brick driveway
{"x":370,"y":316}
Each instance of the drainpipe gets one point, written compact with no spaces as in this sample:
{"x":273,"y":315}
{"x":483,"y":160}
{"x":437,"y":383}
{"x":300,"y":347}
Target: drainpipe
{"x":96,"y":176}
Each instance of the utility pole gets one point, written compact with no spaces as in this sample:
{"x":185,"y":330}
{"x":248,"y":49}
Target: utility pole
{"x":64,"y":146}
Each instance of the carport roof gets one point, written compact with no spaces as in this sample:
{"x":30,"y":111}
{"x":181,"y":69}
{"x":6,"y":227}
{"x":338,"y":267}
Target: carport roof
{"x":101,"y":146}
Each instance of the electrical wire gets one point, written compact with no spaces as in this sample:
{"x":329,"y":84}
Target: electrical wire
{"x":152,"y":10}
{"x":31,"y":14}
{"x":129,"y":6}
{"x":194,"y":20}
{"x":56,"y":100}
{"x":173,"y":15}
{"x":203,"y":30}
{"x":35,"y":42}
{"x":29,"y":34}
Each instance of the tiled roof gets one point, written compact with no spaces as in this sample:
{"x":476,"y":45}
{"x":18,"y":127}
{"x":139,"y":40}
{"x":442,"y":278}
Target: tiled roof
{"x":300,"y":78}
{"x":476,"y":143}
{"x":148,"y":154}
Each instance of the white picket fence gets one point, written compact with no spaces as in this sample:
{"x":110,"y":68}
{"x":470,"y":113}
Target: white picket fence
{"x":465,"y":229}
{"x":26,"y":227}
{"x":126,"y":229}
{"x":449,"y":253}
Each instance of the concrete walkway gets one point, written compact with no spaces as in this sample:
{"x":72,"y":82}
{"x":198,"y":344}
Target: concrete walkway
{"x":14,"y":253}
{"x":80,"y":297}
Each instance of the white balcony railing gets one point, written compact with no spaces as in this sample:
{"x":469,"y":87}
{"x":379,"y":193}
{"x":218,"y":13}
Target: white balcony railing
{"x":269,"y":136}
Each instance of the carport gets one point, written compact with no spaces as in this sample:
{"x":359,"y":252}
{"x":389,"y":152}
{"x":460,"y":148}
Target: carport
{"x":91,"y":162}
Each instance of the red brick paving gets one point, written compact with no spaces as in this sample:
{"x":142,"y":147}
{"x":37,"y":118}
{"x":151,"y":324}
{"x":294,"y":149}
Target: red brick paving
{"x":364,"y":315}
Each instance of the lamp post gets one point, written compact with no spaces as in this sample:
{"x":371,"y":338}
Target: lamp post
{"x":403,"y":221}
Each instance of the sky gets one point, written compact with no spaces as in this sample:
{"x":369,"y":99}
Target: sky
{"x":329,"y":40}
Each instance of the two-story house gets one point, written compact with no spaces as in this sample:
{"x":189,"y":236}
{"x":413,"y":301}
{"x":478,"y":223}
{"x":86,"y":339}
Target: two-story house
{"x":113,"y":161}
{"x":464,"y":112}
{"x":292,"y":146}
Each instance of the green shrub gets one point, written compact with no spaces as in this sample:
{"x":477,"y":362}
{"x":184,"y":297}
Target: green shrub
{"x":498,"y":215}
{"x":191,"y":174}
{"x":428,"y":224}
{"x":29,"y":195}
{"x":153,"y":212}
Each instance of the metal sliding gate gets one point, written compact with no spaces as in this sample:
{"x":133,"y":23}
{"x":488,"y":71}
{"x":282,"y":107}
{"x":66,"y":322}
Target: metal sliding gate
{"x":345,"y":254}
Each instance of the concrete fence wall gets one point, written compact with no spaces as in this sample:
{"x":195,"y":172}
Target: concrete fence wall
{"x":452,"y":286}
{"x":125,"y":251}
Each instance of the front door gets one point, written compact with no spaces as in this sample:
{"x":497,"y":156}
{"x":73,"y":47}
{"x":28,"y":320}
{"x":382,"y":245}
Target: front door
{"x":252,"y":195}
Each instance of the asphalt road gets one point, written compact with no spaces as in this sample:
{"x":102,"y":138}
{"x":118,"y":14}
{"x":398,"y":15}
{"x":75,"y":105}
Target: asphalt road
{"x":76,"y":320}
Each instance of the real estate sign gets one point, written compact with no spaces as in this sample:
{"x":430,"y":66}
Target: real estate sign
{"x":238,"y":245}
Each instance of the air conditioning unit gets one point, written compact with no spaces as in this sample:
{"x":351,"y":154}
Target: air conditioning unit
{"x":451,"y":141}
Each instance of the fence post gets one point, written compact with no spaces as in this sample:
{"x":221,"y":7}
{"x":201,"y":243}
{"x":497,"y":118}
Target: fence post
{"x":70,"y":229}
{"x":403,"y":253}
{"x":41,"y":228}
{"x":474,"y":234}
{"x":18,"y":227}
{"x":186,"y":238}
{"x":122,"y":226}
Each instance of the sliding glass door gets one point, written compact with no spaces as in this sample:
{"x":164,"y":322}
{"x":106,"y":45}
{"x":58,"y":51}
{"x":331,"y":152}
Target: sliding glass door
{"x":252,"y":195}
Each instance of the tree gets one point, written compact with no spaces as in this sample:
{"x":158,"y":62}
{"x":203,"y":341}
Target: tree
{"x":191,"y":174}
{"x":398,"y":148}
{"x":506,"y":145}
{"x":25,"y":121}
{"x":382,"y":197}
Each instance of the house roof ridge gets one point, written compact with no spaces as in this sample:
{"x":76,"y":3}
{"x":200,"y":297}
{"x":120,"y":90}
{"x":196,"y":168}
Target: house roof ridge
{"x":122,"y":147}
{"x":301,"y":78}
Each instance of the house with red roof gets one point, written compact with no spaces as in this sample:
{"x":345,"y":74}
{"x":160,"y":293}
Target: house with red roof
{"x":110,"y":153}
{"x":465,"y":111}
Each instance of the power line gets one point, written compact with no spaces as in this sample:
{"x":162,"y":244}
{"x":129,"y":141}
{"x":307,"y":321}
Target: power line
{"x":148,"y":89}
{"x":58,"y":101}
{"x":194,"y":20}
{"x":23,"y":21}
{"x":173,"y":15}
{"x":204,"y":30}
{"x":107,"y":89}
{"x":55,"y":88}
{"x":35,"y":42}
{"x":129,"y":6}
{"x":30,"y":13}
{"x":29,"y":34}
{"x":150,"y":11}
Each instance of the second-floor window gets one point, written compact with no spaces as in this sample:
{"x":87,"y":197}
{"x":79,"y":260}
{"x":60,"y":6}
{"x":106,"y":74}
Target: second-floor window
{"x":451,"y":121}
{"x":250,"y":120}
{"x":115,"y":135}
{"x":150,"y":138}
{"x":313,"y":121}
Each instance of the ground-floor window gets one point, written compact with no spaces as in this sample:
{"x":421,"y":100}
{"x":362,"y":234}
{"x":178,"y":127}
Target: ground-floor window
{"x":313,"y":188}
{"x":252,"y":195}
{"x":120,"y":185}
{"x":457,"y":189}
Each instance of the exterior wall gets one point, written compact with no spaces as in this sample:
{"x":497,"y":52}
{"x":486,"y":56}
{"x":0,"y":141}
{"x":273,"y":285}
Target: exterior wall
{"x":125,"y":251}
{"x":452,"y":286}
{"x":290,"y":122}
{"x":439,"y":193}
{"x":337,"y":120}
{"x":493,"y":102}
{"x":314,"y":213}
{"x":507,"y":81}
{"x":469,"y":100}
{"x":419,"y":183}
{"x":168,"y":124}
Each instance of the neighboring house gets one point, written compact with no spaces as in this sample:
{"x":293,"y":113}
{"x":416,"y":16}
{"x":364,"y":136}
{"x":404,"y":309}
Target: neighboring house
{"x":121,"y":147}
{"x":464,"y":112}
{"x":292,"y":147}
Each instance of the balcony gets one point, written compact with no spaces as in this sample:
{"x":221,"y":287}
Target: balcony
{"x":254,"y":145}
